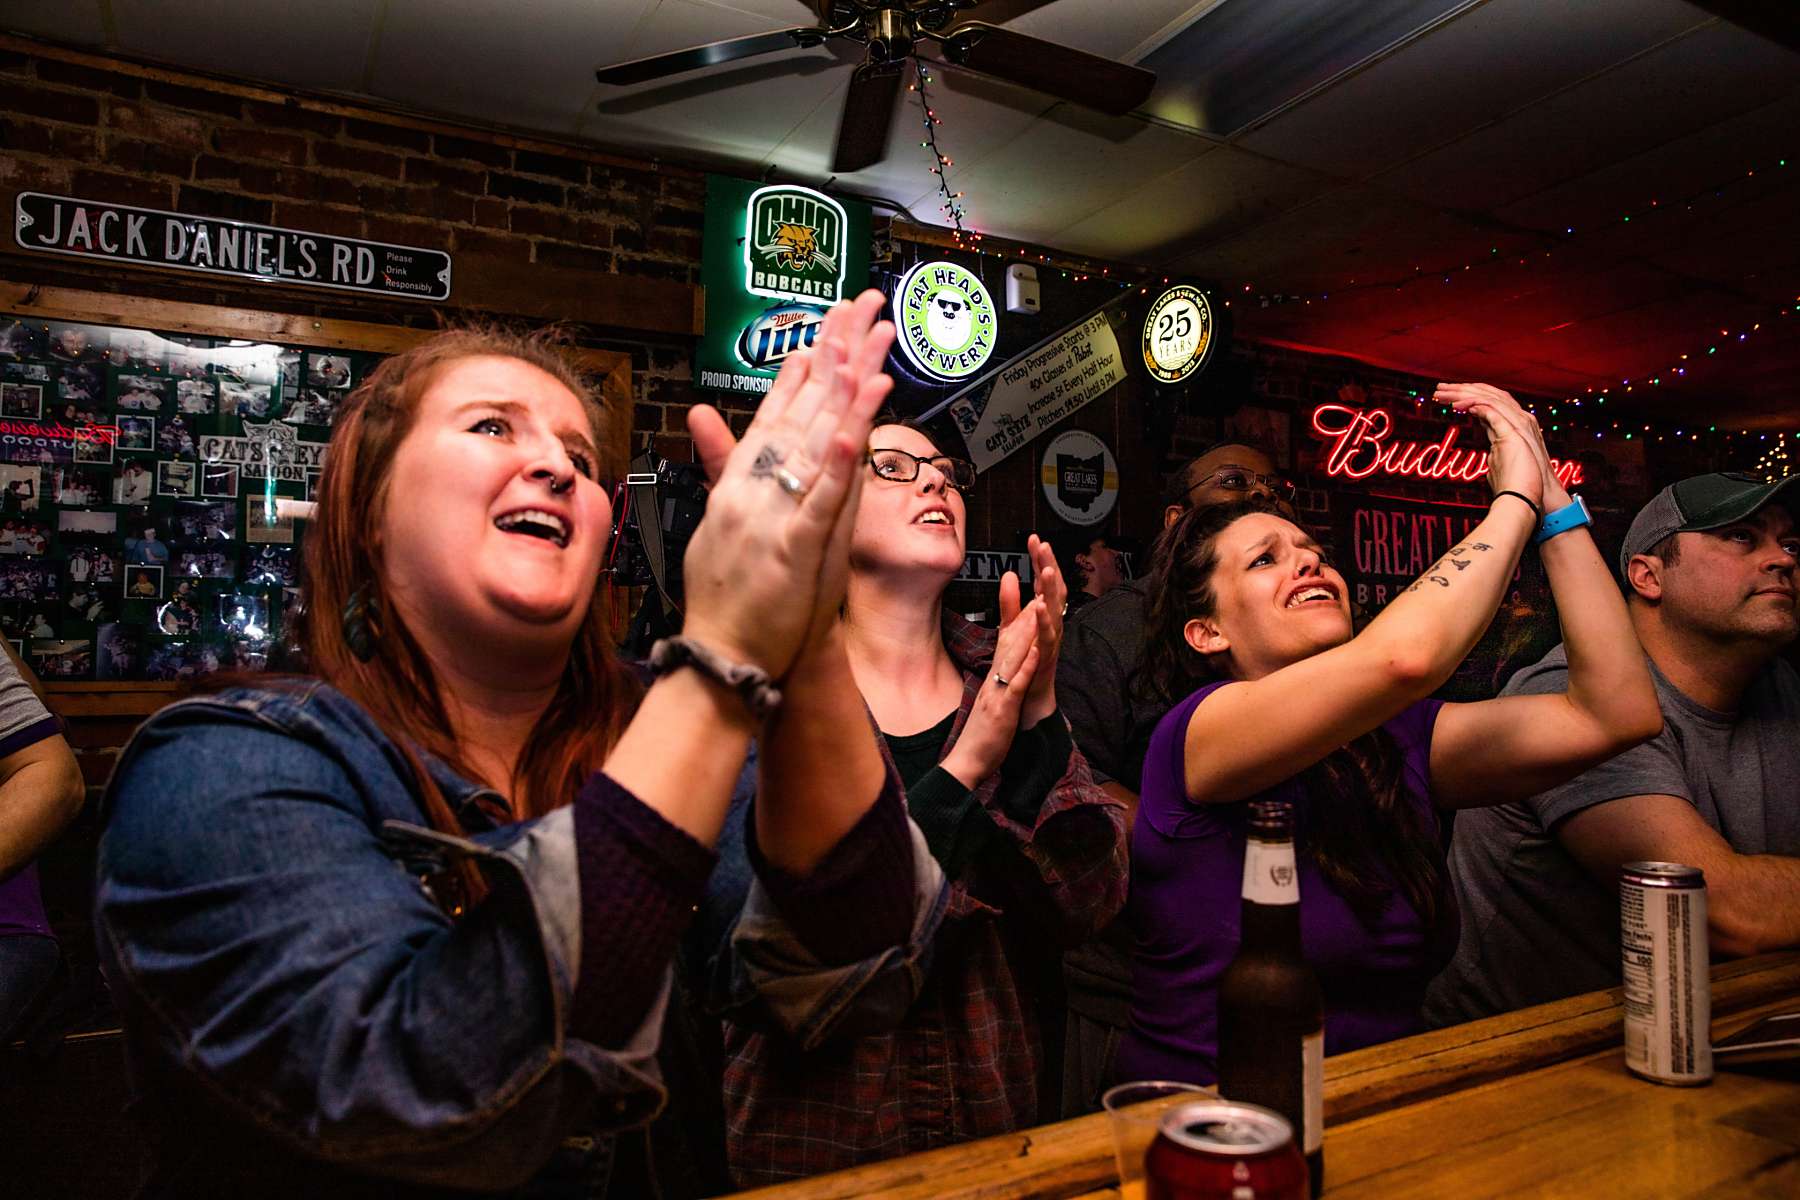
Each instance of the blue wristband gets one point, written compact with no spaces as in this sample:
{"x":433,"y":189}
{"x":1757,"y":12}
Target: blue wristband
{"x":1572,"y":515}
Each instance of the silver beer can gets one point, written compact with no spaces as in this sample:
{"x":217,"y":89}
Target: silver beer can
{"x":1668,"y":983}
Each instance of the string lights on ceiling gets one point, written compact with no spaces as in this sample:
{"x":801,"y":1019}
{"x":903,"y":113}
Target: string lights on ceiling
{"x":1567,"y":234}
{"x":951,"y":205}
{"x":1774,"y":463}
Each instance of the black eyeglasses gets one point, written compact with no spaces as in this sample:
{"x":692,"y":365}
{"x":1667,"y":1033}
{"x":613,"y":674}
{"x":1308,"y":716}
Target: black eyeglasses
{"x":897,"y":466}
{"x":1236,"y":479}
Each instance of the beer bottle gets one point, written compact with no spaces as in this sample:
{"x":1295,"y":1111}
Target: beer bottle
{"x":1271,"y":1017}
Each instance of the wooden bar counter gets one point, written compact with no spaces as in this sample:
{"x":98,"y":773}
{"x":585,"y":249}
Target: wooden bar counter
{"x":1535,"y":1102}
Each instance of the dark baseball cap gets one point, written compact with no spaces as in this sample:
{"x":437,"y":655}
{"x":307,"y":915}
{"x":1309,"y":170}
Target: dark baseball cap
{"x":1703,"y":502}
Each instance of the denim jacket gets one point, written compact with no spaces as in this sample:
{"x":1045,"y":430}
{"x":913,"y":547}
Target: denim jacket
{"x":283,"y":968}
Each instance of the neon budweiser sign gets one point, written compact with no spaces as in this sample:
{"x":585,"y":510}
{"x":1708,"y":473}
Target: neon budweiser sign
{"x":1360,"y":444}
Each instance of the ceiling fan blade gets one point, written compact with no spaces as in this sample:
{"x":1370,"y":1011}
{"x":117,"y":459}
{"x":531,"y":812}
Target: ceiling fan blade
{"x":692,"y":59}
{"x":868,"y":115}
{"x":1073,"y":75}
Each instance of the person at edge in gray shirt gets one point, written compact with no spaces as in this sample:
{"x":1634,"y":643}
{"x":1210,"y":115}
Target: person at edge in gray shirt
{"x":1709,"y":571}
{"x":1103,"y":642}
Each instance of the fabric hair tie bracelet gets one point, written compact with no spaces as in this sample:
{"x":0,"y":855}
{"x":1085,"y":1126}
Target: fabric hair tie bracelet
{"x":752,"y":684}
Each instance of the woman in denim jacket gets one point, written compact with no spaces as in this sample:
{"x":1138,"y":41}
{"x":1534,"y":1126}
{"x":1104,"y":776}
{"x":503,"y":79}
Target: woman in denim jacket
{"x":408,"y":928}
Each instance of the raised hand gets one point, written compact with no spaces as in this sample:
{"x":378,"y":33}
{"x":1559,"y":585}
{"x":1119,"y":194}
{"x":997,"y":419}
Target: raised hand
{"x":1052,"y":602}
{"x":994,"y":721}
{"x":766,"y":568}
{"x":1517,"y":459}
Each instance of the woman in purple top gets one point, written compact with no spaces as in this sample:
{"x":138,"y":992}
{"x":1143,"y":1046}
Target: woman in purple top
{"x":1251,"y":622}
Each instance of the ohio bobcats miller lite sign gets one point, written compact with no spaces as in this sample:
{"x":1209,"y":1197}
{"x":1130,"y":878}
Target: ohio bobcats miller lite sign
{"x":794,"y":245}
{"x":774,"y":258}
{"x":768,"y":340}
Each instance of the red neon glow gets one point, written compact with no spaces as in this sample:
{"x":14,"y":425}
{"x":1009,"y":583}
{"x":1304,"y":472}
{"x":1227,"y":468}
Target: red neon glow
{"x":1360,"y":448}
{"x":106,"y":435}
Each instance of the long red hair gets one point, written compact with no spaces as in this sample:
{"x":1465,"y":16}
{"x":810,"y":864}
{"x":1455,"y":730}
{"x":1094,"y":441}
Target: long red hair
{"x":396,"y":685}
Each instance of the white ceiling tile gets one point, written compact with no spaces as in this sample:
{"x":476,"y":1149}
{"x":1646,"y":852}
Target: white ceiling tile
{"x":530,"y":67}
{"x":1108,"y":28}
{"x":1649,"y":102}
{"x":737,"y":111}
{"x":980,"y":118}
{"x":1690,"y":167}
{"x":1219,"y":193}
{"x":1465,"y":73}
{"x":76,"y":22}
{"x":322,"y":45}
{"x":1066,"y":166}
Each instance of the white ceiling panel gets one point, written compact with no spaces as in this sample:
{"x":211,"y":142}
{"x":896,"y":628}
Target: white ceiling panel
{"x":1211,"y":197}
{"x":1649,"y":102}
{"x":530,"y":66}
{"x":75,"y":22}
{"x":1461,"y":75}
{"x":1669,"y":173}
{"x":1111,"y":30}
{"x":322,"y":44}
{"x":1067,"y":167}
{"x":1352,"y":232}
{"x":980,"y":118}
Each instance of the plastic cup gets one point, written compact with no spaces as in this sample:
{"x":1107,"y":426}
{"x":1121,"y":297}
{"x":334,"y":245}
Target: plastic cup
{"x":1133,"y":1110}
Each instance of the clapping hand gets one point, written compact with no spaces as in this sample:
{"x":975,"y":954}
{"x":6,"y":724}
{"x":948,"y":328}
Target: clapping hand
{"x":1517,"y":458}
{"x":766,"y":569}
{"x":994,"y":721}
{"x":1051,"y":602}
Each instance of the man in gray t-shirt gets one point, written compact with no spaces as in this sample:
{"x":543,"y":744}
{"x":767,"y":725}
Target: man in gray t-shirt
{"x":1710,"y":570}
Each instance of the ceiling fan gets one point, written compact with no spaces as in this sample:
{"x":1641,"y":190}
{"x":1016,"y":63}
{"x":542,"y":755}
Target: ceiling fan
{"x":892,"y":30}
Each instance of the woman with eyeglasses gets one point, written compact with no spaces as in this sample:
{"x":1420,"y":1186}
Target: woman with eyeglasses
{"x":1033,"y":851}
{"x":1250,"y":635}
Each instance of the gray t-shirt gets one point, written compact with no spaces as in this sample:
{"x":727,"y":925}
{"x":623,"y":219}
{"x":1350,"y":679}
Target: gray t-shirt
{"x":1535,"y":925}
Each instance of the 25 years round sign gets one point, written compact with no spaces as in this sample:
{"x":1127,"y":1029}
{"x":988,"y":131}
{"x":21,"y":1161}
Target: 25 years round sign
{"x":1080,"y":477}
{"x":1178,"y":334}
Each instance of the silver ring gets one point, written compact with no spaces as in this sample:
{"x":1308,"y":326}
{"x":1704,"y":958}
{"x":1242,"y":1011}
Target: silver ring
{"x":790,"y":483}
{"x":999,"y":679}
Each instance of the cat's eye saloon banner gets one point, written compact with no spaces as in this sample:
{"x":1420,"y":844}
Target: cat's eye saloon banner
{"x":1038,"y":390}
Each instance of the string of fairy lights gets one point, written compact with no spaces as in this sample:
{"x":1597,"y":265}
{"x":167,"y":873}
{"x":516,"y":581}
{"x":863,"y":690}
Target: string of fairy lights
{"x":1572,"y":415}
{"x":951,"y":205}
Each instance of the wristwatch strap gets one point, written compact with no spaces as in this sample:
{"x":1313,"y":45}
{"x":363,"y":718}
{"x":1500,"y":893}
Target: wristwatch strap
{"x":752,"y":684}
{"x":1572,"y":515}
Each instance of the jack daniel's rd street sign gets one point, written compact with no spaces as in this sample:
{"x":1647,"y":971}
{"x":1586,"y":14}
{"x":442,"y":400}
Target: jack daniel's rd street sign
{"x":151,"y":237}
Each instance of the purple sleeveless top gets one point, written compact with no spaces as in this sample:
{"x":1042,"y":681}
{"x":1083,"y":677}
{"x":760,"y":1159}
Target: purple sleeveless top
{"x":1187,"y":867}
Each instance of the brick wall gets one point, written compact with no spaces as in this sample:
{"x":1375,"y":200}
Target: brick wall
{"x":496,"y":203}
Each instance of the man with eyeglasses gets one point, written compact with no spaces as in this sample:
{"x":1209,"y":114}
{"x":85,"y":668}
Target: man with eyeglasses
{"x":1102,"y":646}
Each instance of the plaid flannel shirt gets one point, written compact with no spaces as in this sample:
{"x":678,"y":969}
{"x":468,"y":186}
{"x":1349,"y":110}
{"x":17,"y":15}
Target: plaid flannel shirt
{"x":965,"y":1060}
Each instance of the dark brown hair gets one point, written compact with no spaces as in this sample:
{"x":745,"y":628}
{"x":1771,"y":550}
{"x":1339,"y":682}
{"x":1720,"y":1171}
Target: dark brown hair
{"x":396,"y":685}
{"x":1361,"y":829}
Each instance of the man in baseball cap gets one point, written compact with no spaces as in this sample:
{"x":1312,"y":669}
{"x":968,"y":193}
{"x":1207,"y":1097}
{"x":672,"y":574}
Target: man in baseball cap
{"x":1709,"y":569}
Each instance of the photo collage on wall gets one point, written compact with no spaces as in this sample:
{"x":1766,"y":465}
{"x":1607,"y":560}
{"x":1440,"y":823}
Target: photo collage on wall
{"x":138,"y":478}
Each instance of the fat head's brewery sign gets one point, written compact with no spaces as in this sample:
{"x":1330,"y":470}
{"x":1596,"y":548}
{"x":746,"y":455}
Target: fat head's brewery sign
{"x":946,"y":320}
{"x":152,"y":237}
